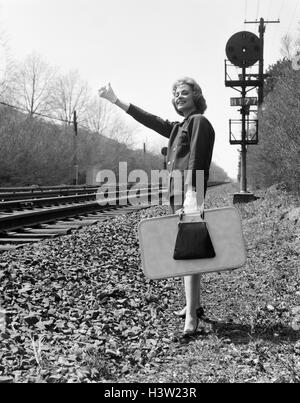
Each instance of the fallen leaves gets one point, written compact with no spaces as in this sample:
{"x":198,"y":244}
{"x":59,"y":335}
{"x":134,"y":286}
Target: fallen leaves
{"x":79,"y":308}
{"x":296,"y":318}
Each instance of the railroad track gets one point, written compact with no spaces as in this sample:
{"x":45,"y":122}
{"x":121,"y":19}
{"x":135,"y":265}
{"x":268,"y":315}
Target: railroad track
{"x":30,"y":215}
{"x":23,"y":193}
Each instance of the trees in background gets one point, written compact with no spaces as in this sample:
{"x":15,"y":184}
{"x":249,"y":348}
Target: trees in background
{"x":277,"y":156}
{"x":36,"y":150}
{"x":33,"y":151}
{"x":39,"y":151}
{"x":7,"y":68}
{"x":103,"y":118}
{"x":217,"y":173}
{"x":32,"y":85}
{"x":97,"y":115}
{"x":70,"y":93}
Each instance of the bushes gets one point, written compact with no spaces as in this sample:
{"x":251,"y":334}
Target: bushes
{"x":42,"y":153}
{"x":37,"y":152}
{"x":276,"y":157}
{"x":33,"y":152}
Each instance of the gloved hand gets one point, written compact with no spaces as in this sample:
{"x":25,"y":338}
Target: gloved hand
{"x":107,"y":92}
{"x":190,"y":203}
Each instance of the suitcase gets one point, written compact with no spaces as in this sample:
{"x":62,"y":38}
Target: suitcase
{"x":157,"y":238}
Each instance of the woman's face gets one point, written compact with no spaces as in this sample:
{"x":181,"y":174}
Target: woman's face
{"x":183,"y":98}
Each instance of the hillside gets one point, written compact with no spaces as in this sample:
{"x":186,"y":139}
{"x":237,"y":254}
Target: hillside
{"x":39,"y":152}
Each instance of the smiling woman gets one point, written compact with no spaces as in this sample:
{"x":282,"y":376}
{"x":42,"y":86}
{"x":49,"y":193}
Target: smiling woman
{"x":188,"y":94}
{"x":190,"y":150}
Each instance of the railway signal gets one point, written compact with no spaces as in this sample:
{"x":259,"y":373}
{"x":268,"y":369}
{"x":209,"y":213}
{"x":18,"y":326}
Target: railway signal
{"x":244,"y":49}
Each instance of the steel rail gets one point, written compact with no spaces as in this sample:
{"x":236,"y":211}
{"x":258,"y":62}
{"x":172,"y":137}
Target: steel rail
{"x":32,"y":189}
{"x":36,"y":216}
{"x":35,"y":194}
{"x":21,"y":219}
{"x":46,"y":201}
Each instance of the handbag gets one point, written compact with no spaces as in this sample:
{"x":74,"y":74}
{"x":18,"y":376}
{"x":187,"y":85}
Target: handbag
{"x":193,"y":240}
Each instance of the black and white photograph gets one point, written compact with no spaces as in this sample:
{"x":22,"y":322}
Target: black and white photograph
{"x":150,"y":194}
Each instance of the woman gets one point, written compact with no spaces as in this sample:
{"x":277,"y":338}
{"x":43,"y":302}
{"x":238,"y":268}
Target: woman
{"x":189,"y":150}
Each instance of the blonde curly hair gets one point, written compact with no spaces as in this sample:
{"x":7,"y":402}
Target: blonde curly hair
{"x":198,"y":98}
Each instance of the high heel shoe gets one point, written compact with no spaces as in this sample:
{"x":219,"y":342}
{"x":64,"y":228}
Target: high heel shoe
{"x":191,"y":332}
{"x":199,"y":312}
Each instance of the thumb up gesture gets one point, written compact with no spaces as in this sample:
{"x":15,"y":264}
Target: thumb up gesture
{"x":107,"y":92}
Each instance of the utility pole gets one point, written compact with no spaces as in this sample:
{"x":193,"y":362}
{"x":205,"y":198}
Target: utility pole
{"x":75,"y":148}
{"x":164,"y":152}
{"x":144,"y":152}
{"x":261,"y":30}
{"x":243,"y":186}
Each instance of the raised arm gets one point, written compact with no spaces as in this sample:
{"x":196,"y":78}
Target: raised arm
{"x":163,"y":127}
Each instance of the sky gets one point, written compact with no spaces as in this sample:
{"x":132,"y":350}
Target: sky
{"x":142,"y":47}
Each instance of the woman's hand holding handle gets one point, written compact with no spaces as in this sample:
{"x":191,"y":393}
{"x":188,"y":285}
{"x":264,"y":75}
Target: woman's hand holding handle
{"x":190,"y":204}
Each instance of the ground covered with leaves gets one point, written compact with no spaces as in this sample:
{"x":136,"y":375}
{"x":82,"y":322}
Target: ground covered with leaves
{"x":79,"y":308}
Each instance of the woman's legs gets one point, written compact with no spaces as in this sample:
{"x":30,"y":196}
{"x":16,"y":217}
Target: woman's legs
{"x":192,"y":296}
{"x":182,"y":311}
{"x":192,"y":291}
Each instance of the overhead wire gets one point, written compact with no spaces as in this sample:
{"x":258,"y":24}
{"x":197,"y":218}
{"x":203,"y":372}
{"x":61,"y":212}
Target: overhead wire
{"x":275,"y":36}
{"x":269,"y":9}
{"x":34,"y":113}
{"x":19,"y":108}
{"x":293,"y":16}
{"x":257,"y":9}
{"x":281,"y":8}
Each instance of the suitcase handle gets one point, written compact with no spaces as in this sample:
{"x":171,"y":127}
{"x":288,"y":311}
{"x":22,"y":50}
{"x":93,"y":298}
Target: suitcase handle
{"x":181,"y":214}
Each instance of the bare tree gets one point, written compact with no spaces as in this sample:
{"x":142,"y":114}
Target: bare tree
{"x":120,"y":130}
{"x":297,"y":40}
{"x":97,"y":115}
{"x":287,"y":47}
{"x":71,"y":94}
{"x":7,"y":67}
{"x":32,"y":84}
{"x":102,"y":118}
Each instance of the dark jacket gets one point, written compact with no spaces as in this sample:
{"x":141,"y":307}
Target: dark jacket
{"x":190,"y":144}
